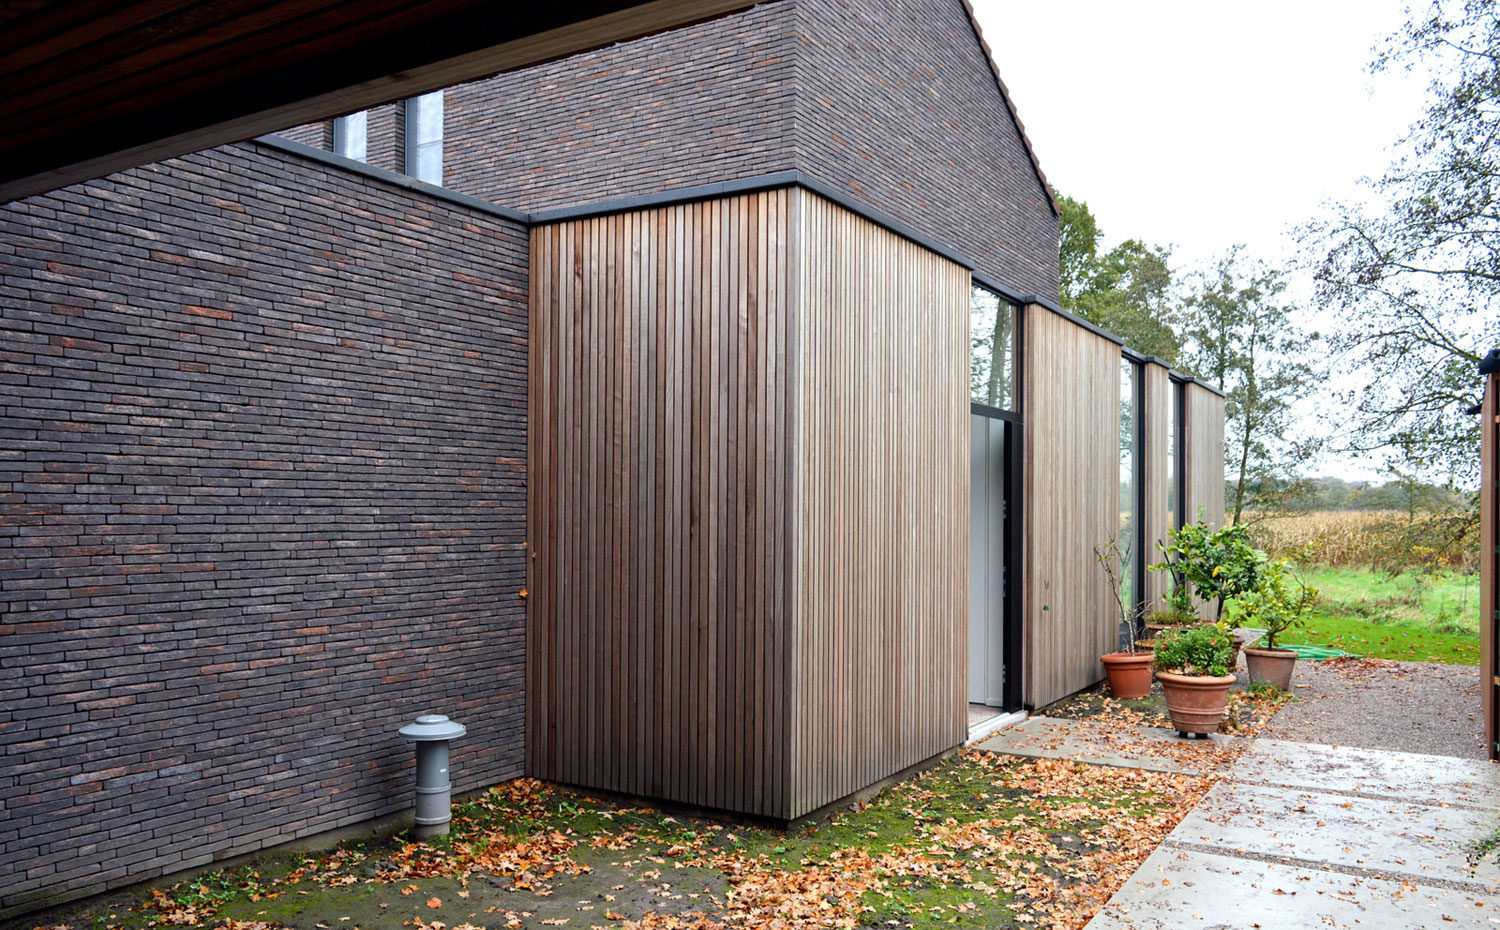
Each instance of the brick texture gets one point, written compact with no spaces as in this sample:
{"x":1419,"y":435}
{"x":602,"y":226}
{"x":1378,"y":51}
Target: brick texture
{"x":891,"y":102}
{"x":900,"y":109}
{"x":262,"y":500}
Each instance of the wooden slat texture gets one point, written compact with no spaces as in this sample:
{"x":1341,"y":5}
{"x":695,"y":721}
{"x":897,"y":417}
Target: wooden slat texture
{"x":95,"y":87}
{"x":1203,"y":442}
{"x":1489,"y":562}
{"x":1071,"y":404}
{"x":1156,"y":414}
{"x":659,"y":506}
{"x":749,"y":503}
{"x":1203,"y":445}
{"x":881,"y":631}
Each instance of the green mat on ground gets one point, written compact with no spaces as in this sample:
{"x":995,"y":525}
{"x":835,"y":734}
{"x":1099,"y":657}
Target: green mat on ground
{"x":1318,"y":652}
{"x":1313,"y":653}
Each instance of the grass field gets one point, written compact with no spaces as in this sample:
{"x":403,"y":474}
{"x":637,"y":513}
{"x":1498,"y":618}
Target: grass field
{"x":1414,"y":617}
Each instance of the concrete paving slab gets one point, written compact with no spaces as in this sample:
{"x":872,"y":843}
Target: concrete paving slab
{"x":1148,"y":748}
{"x":1176,"y":889}
{"x":1374,"y":772}
{"x":1423,"y":842}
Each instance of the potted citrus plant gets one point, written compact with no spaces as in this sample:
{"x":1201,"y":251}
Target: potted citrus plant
{"x":1193,"y":666}
{"x":1278,"y":603}
{"x":1128,"y":670}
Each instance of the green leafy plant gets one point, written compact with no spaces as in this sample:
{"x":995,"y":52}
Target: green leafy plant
{"x":1278,"y":602}
{"x":1199,"y":650}
{"x":1169,"y":617}
{"x":1216,"y":564}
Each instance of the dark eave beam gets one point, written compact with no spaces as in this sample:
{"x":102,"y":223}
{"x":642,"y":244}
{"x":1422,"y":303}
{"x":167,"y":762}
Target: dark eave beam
{"x":273,"y":78}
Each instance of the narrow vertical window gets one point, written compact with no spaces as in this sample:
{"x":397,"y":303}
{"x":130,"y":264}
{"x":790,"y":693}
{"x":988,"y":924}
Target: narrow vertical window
{"x":1176,"y":460}
{"x":992,"y":350}
{"x":424,"y":137}
{"x":1129,"y":484}
{"x":350,"y":136}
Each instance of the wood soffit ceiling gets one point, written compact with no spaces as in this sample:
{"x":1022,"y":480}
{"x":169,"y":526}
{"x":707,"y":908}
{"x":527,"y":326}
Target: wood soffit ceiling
{"x":88,"y":87}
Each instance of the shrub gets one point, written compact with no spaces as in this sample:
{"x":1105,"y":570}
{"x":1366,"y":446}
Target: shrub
{"x":1276,"y":604}
{"x":1199,"y":650}
{"x":1219,"y":563}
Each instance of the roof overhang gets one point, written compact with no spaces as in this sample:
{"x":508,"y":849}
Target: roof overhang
{"x":90,"y":87}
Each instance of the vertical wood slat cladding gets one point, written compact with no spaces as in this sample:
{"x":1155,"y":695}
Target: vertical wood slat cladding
{"x":1203,"y":445}
{"x":880,"y":636}
{"x":749,"y":503}
{"x":658,"y":515}
{"x":1072,"y":410}
{"x":1156,"y":418}
{"x":1489,"y":562}
{"x":1203,"y":421}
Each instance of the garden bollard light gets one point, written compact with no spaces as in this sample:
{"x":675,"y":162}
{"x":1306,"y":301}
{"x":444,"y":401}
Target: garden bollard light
{"x":431,"y":733}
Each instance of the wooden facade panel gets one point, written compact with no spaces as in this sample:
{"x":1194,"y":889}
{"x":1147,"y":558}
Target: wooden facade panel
{"x":1203,"y":444}
{"x":882,"y":514}
{"x":1489,"y":562}
{"x":1203,"y":451}
{"x":1157,"y":399}
{"x":1071,"y":400}
{"x":658,"y":502}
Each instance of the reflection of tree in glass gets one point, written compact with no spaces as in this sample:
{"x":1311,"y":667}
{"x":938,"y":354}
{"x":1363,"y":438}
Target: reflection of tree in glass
{"x":992,"y":346}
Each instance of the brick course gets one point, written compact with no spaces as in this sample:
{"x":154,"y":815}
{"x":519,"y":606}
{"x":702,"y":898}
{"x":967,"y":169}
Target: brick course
{"x":891,"y":102}
{"x":262,"y":500}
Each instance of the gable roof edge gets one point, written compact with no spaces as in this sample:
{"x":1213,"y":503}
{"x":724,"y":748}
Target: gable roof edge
{"x":1010,"y":105}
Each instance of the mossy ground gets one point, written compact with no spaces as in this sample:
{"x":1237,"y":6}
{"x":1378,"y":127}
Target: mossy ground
{"x":977,"y":841}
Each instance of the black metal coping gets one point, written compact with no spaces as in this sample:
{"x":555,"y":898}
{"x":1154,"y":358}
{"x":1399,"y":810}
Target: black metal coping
{"x":1181,"y":378}
{"x":408,"y":182}
{"x":792,"y":178}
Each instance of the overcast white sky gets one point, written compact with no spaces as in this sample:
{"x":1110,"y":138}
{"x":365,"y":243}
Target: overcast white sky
{"x":1203,"y":124}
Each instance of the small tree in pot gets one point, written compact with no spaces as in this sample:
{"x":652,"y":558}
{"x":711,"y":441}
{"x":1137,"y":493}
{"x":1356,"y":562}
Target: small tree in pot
{"x":1193,"y":666}
{"x":1278,"y":603}
{"x":1128,"y":671}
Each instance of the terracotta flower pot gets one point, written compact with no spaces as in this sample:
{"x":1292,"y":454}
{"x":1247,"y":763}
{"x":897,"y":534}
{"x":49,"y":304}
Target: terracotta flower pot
{"x":1272,"y":665}
{"x":1196,"y":703}
{"x":1129,"y":675}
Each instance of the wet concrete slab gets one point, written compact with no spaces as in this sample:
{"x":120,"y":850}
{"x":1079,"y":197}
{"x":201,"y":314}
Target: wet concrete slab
{"x":1148,"y":748}
{"x":1177,"y":888}
{"x":1422,"y":842}
{"x":1404,"y":776}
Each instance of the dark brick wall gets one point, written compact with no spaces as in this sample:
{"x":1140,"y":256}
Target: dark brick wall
{"x":262,"y":500}
{"x":900,"y":109}
{"x":889,"y":101}
{"x":693,"y":106}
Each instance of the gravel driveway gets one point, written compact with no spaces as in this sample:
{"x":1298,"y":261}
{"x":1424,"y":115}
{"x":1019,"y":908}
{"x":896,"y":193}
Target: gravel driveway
{"x":1378,"y":704}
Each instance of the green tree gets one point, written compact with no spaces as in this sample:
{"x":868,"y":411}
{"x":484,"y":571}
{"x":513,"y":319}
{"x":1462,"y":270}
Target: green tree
{"x":1415,"y":279}
{"x":1245,"y":337}
{"x":1126,"y":290}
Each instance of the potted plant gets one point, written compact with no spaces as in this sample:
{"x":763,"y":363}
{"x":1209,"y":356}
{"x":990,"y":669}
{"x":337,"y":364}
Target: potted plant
{"x":1219,"y":564}
{"x":1170,"y":617}
{"x":1193,"y":668}
{"x":1278,"y":603}
{"x":1128,"y":670}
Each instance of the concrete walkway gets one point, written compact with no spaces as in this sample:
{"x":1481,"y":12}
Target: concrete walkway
{"x":1302,"y":835}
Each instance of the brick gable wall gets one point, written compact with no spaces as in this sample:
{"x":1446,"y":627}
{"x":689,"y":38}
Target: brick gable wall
{"x":262,"y":500}
{"x":891,"y":102}
{"x":900,"y":109}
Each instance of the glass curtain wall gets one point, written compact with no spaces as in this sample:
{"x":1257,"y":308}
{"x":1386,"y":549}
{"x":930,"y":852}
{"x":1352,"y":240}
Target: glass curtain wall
{"x":1129,"y":537}
{"x":992,"y":355}
{"x":1174,"y":431}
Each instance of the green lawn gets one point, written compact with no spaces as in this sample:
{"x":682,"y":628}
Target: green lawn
{"x":1411,"y":617}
